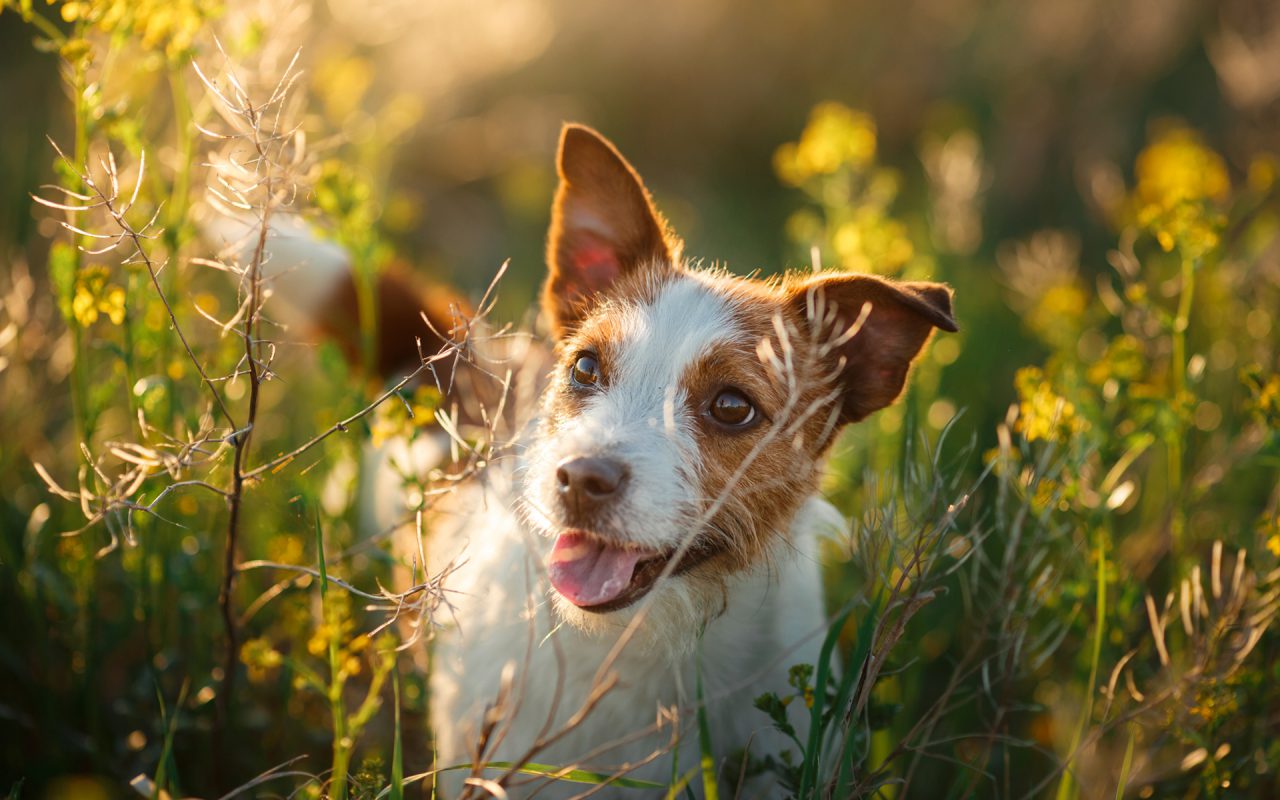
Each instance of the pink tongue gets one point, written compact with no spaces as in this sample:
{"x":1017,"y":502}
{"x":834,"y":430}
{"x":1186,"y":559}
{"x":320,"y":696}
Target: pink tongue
{"x":587,"y":571}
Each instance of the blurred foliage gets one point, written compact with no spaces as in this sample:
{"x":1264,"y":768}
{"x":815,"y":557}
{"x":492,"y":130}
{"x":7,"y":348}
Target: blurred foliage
{"x":1096,"y":179}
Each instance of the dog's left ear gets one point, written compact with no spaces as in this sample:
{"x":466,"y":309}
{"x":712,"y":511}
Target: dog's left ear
{"x":899,"y":318}
{"x":603,"y":227}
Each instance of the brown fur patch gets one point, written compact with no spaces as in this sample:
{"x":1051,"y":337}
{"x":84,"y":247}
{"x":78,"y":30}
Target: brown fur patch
{"x":401,"y":301}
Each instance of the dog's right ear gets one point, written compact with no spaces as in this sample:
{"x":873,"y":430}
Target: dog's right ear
{"x":894,"y":320}
{"x":603,"y":227}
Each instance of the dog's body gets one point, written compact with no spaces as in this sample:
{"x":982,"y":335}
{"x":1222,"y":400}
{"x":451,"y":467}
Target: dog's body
{"x":659,"y":522}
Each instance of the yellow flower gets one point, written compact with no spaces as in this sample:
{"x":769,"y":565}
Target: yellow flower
{"x":167,"y":25}
{"x":835,"y":136}
{"x":260,"y":658}
{"x":94,"y":296}
{"x":341,"y":84}
{"x":873,"y":242}
{"x":1057,"y":313}
{"x":1042,"y":412}
{"x":1264,"y":395}
{"x":285,"y":549}
{"x":1177,"y":166}
{"x":1124,"y":360}
{"x":318,"y":644}
{"x":393,"y":419}
{"x":1179,"y":178}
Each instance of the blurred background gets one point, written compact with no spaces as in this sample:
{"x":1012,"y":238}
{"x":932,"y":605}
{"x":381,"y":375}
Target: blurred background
{"x":1007,"y":147}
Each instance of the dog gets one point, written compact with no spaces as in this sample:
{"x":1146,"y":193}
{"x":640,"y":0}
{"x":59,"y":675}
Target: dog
{"x":649,"y":554}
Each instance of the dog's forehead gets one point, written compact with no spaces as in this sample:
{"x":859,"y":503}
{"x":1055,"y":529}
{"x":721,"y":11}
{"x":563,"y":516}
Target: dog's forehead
{"x":659,"y":337}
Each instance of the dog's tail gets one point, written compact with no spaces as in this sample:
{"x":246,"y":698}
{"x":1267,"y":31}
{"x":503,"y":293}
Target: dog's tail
{"x":313,"y":285}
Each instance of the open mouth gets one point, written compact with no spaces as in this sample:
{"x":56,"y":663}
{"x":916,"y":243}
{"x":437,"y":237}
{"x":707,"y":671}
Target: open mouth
{"x":596,"y":575}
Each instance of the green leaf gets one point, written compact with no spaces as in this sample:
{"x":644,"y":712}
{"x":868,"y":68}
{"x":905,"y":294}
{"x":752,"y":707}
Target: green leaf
{"x":773,"y":705}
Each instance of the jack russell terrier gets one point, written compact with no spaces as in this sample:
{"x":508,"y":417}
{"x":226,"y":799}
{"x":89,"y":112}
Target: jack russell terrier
{"x":650,"y":552}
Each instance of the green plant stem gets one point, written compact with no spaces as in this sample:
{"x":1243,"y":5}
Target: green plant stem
{"x":87,"y":582}
{"x":1127,"y":765}
{"x":43,"y":23}
{"x":72,"y":182}
{"x":707,"y":762}
{"x":341,"y":746}
{"x":175,"y":226}
{"x":1067,"y":787}
{"x":1178,"y":430}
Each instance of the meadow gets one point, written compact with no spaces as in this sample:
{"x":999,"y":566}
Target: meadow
{"x":1062,"y":567}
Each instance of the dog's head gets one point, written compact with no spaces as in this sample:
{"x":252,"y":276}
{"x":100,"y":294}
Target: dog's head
{"x":687,"y":416}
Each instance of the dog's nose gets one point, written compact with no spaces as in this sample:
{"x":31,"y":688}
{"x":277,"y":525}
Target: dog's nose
{"x":588,"y":481}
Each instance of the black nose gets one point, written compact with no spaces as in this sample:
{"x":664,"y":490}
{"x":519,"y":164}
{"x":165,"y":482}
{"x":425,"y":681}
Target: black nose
{"x":587,"y":482}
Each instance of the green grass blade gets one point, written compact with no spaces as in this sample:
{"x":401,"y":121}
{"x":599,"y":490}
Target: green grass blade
{"x":809,"y":769}
{"x":844,"y":696}
{"x":397,"y":757}
{"x":164,"y":774}
{"x":1127,"y":765}
{"x":710,"y":788}
{"x":680,"y":784}
{"x":1066,"y":787}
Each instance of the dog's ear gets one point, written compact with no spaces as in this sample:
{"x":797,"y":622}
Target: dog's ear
{"x":603,"y":226}
{"x":897,"y":319}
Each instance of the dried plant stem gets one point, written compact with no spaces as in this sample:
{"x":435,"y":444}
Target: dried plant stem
{"x":241,"y":439}
{"x":342,"y":425}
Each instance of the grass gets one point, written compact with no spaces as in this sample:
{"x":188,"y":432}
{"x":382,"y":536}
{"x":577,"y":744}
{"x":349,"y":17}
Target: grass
{"x":1066,"y":590}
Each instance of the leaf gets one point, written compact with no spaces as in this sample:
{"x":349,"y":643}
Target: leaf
{"x":772,"y":705}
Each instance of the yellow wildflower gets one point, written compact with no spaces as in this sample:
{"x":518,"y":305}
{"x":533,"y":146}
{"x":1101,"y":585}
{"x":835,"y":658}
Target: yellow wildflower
{"x":170,"y":26}
{"x":285,"y":549}
{"x":395,"y":418}
{"x":1264,"y":395}
{"x":835,"y":136}
{"x":318,"y":644}
{"x":1178,"y":166}
{"x":872,"y":242}
{"x":260,"y":658}
{"x":94,"y":296}
{"x":1178,"y":179}
{"x":1124,"y":360}
{"x":1042,"y":412}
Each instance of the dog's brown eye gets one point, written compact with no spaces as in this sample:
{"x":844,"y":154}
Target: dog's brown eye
{"x":585,"y":372}
{"x":731,"y":407}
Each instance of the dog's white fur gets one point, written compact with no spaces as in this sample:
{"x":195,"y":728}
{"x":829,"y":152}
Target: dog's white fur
{"x":510,"y":631}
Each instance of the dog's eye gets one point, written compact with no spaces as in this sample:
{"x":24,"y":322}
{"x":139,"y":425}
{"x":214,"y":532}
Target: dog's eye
{"x":731,"y":407}
{"x":585,"y":371}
